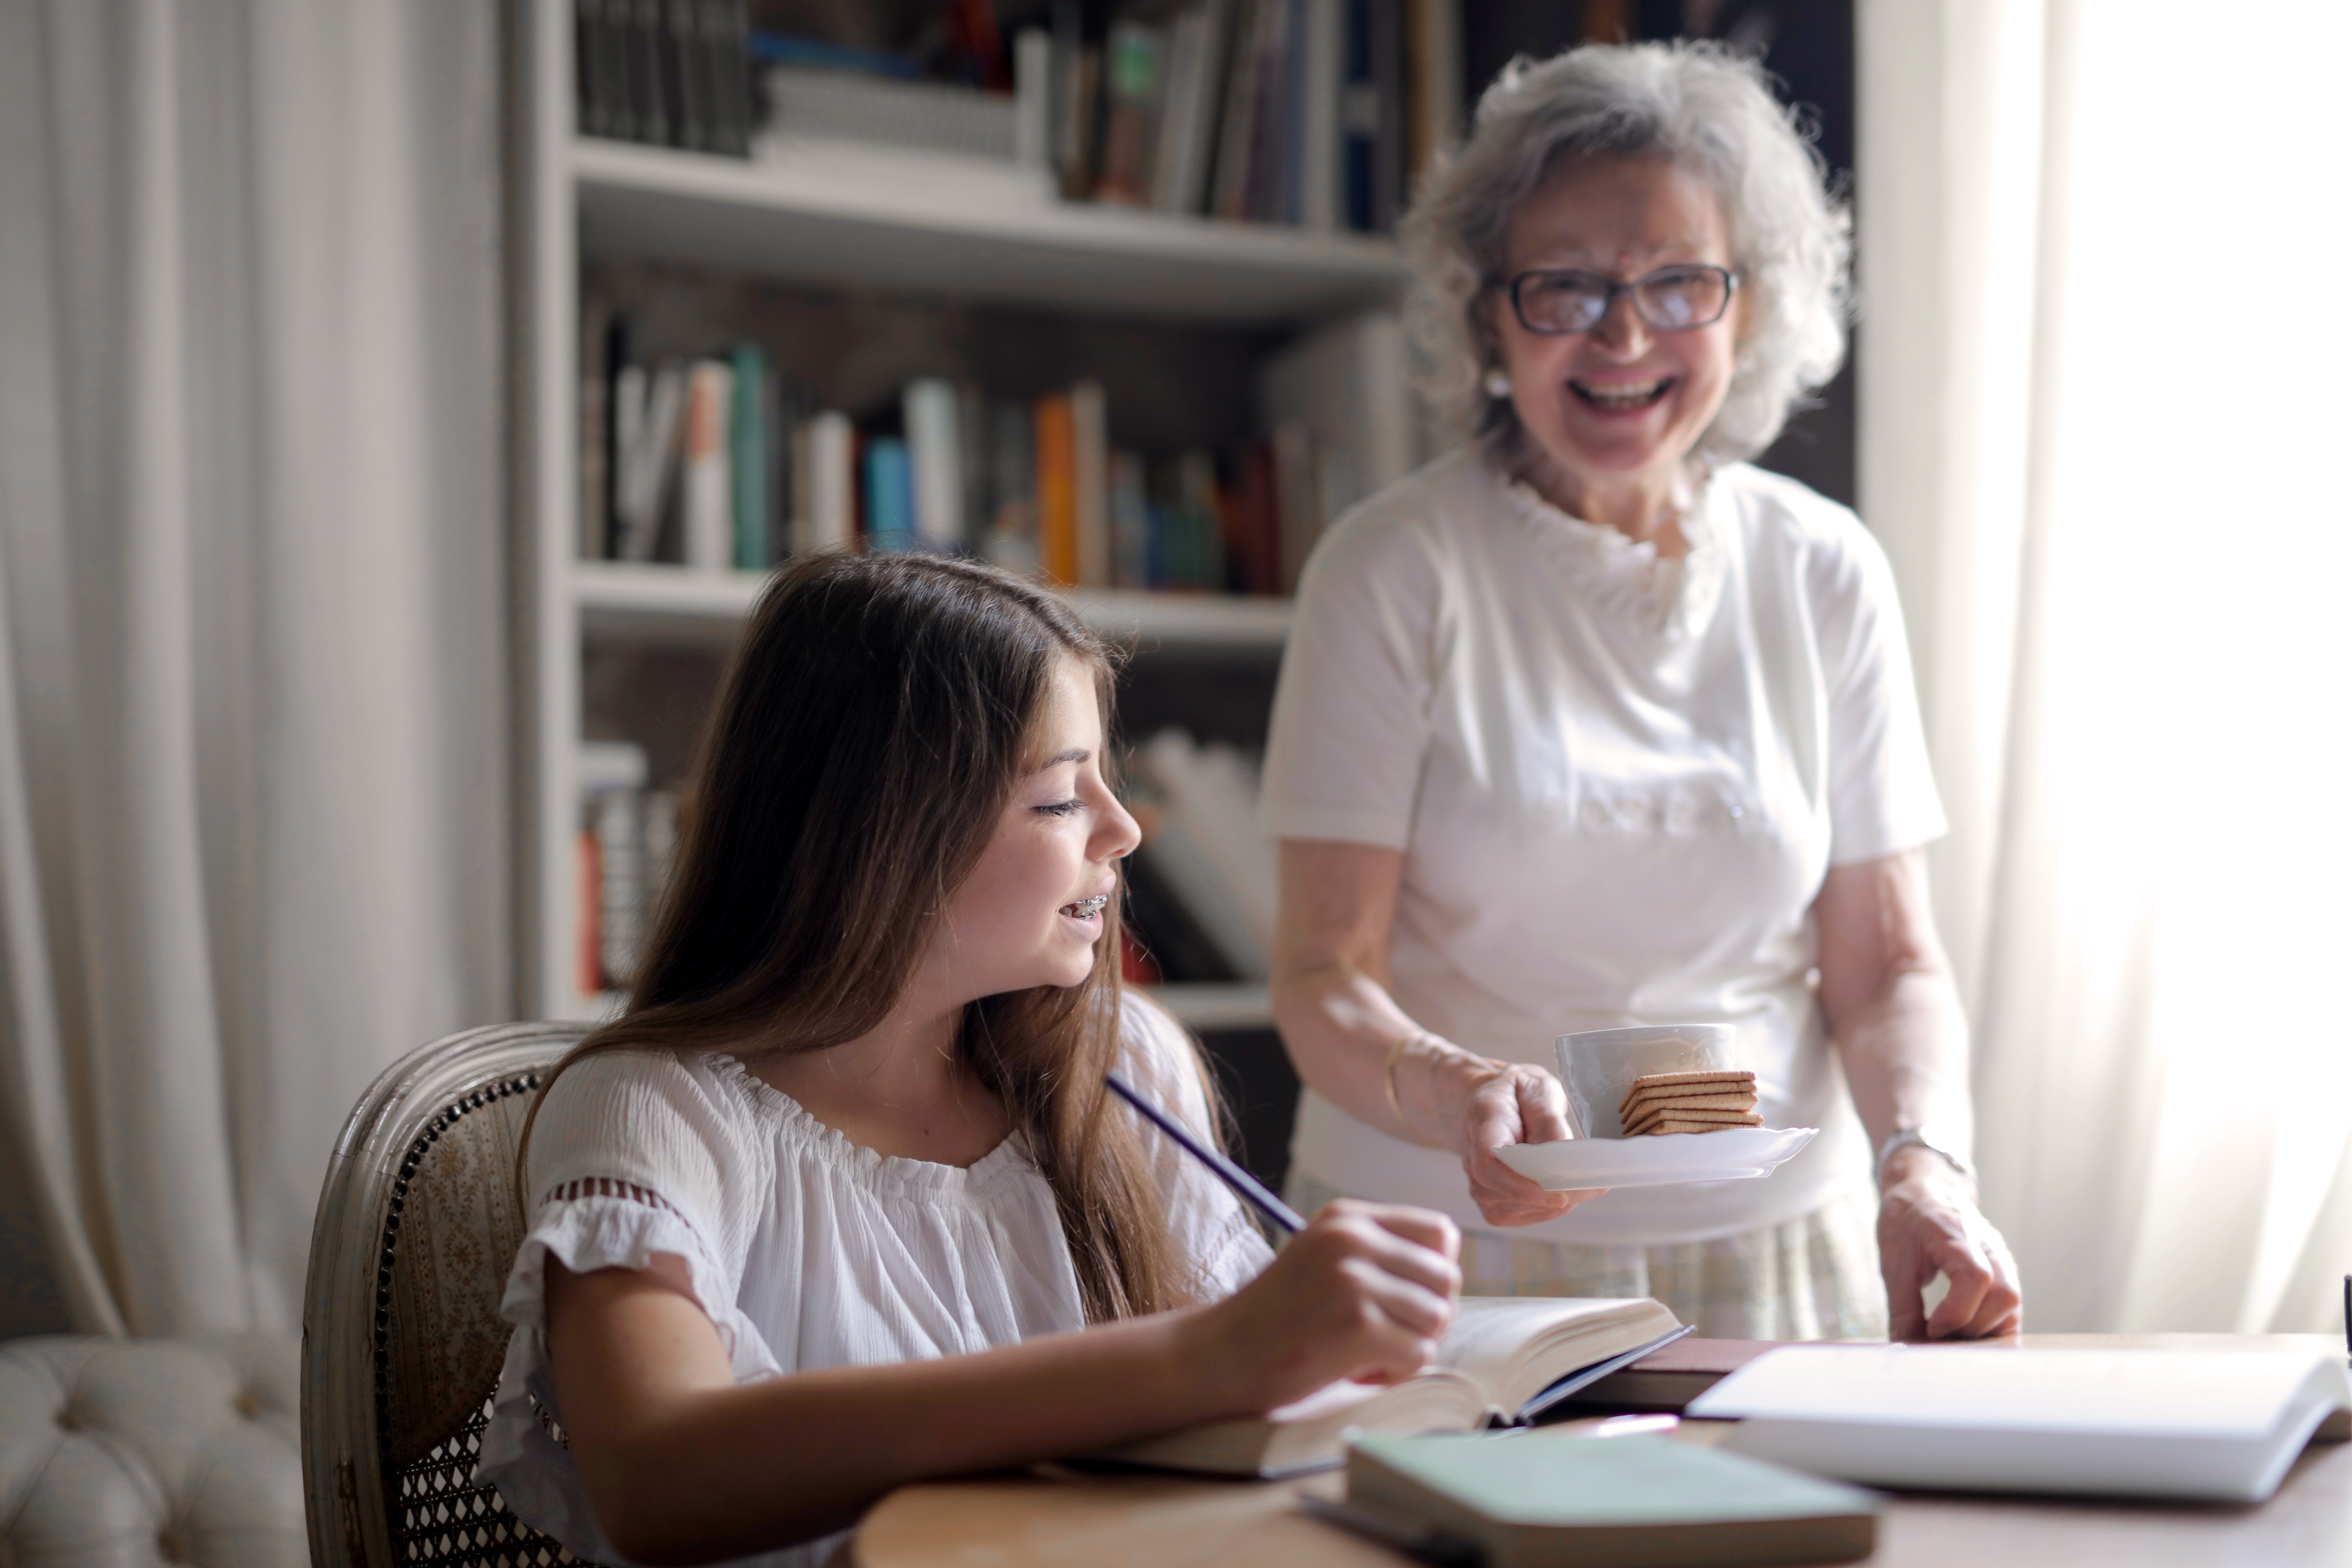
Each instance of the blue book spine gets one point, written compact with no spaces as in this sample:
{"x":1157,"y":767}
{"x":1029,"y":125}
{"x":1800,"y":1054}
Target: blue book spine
{"x":889,"y":496}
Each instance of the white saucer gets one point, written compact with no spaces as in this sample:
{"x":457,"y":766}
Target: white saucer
{"x":1730,"y":1155}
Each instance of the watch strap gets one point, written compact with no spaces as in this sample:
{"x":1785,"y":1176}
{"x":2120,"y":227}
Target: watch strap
{"x":1917,"y":1138}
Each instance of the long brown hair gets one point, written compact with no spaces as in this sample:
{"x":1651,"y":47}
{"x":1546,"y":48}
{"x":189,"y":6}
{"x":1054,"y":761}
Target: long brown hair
{"x":875,"y":722}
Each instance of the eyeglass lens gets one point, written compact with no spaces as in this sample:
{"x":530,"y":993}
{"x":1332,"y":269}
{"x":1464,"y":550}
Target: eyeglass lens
{"x":1669,"y":300}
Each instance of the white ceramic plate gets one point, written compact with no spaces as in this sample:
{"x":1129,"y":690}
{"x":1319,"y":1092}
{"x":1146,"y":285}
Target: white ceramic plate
{"x":1731,"y":1156}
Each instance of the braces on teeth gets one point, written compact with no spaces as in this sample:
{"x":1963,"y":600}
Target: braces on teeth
{"x":1086,"y":907}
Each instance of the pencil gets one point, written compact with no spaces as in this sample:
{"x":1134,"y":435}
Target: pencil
{"x":1247,"y":1186}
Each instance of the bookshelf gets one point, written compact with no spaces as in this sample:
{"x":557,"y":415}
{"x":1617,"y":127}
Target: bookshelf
{"x":886,"y":223}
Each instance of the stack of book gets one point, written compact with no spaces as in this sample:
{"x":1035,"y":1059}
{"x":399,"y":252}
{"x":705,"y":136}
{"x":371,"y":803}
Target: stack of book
{"x":627,"y":841}
{"x":676,"y":73}
{"x":716,"y":463}
{"x":1318,"y":113}
{"x":1313,"y":112}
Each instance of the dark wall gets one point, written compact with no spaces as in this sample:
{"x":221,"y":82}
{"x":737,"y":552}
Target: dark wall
{"x":1807,"y":45}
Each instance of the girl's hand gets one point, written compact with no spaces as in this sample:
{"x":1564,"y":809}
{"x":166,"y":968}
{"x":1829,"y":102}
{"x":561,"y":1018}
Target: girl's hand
{"x":1364,"y":1292}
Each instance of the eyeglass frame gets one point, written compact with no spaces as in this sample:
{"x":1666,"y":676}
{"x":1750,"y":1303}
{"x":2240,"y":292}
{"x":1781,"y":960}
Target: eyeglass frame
{"x":1614,"y":287}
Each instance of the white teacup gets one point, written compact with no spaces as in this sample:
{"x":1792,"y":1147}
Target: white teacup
{"x":1598,"y":1067}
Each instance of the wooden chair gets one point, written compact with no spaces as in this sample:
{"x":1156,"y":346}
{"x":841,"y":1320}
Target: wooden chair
{"x":401,"y":1339}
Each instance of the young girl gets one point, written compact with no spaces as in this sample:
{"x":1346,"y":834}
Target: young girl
{"x":842,"y":1203}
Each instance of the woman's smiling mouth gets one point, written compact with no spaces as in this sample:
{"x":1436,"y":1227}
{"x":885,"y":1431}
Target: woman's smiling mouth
{"x":1623,"y":396}
{"x":1087,"y":908}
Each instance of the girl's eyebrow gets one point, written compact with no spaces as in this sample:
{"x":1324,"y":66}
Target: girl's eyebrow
{"x":1075,"y":754}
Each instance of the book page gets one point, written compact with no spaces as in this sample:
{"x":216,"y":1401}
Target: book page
{"x":1513,"y":1346}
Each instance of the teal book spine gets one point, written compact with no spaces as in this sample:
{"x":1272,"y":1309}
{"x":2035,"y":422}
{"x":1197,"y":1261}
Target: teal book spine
{"x":889,"y":496}
{"x":752,"y":467}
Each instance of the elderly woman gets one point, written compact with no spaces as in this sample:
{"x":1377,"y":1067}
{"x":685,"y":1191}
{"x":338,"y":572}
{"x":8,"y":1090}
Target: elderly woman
{"x":1590,"y":723}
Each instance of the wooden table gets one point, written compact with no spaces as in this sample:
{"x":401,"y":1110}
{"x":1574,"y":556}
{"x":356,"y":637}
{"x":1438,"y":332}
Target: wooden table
{"x":1170,"y":1523}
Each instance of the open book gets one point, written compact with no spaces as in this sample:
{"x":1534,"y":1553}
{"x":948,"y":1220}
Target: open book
{"x":1501,"y":1356}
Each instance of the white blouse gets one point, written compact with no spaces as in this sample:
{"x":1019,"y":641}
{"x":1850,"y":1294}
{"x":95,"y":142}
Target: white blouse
{"x":805,"y":1249}
{"x":1617,"y":781}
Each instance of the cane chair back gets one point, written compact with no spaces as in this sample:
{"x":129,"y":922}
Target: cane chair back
{"x":401,"y":1342}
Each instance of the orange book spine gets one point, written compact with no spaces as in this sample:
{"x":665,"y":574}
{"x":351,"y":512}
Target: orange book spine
{"x":1057,"y":490}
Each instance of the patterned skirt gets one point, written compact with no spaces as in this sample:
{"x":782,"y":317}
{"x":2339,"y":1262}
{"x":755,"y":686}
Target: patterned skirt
{"x":1811,"y":1277}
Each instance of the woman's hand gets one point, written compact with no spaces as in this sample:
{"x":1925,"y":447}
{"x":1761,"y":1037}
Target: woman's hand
{"x":1504,"y":1103}
{"x":1364,"y":1292}
{"x":1479,"y":1106}
{"x":1928,"y":1224}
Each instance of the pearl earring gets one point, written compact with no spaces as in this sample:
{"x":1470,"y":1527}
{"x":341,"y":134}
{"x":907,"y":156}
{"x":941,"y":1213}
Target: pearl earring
{"x":1499,"y":383}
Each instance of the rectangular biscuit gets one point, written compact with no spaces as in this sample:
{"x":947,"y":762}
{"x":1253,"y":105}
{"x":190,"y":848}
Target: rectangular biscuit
{"x":1730,"y":1113}
{"x":1687,"y":1082}
{"x":1641,"y":1125}
{"x":1744,"y":1100}
{"x":1663,"y":1126}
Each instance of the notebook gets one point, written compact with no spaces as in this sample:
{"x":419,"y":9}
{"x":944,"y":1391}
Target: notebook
{"x":1531,"y":1501}
{"x":2220,"y":1426}
{"x":1501,"y":1355}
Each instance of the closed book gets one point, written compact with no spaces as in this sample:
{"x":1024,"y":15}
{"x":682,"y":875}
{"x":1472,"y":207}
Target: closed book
{"x":832,"y":512}
{"x":1538,"y":1500}
{"x":934,"y":422}
{"x":709,"y":499}
{"x":1090,"y":482}
{"x":1175,"y":147}
{"x":1130,"y":522}
{"x":1132,"y":89}
{"x":649,"y":414}
{"x":1228,"y":191}
{"x":1012,"y":541}
{"x":2211,"y":1425}
{"x":889,"y":495}
{"x":750,"y":465}
{"x":1056,"y":479}
{"x":1668,"y":1379}
{"x":1500,"y":1354}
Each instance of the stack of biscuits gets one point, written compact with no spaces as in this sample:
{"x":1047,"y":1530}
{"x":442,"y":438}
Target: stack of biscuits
{"x":1689,"y":1102}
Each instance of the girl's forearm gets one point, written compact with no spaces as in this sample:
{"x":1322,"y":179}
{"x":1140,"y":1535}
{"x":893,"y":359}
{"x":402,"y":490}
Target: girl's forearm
{"x":714,"y":1472}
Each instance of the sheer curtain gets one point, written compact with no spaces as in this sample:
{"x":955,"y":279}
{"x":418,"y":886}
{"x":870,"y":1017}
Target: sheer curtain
{"x":2103,"y":376}
{"x":253,"y":786}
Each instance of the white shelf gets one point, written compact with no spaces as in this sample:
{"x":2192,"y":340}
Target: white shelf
{"x":621,"y":601}
{"x":873,"y":217}
{"x":1196,"y":1007}
{"x":1207,"y":1007}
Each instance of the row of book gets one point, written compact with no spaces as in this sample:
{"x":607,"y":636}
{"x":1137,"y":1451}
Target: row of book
{"x":676,"y":73}
{"x":1200,"y":889}
{"x":714,"y":464}
{"x":1313,"y":113}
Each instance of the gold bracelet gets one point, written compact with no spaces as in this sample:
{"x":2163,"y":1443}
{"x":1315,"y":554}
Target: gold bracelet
{"x":1396,"y":1052}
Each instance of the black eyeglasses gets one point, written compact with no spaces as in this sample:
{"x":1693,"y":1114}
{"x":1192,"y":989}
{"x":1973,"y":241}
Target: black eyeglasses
{"x":1671,"y":300}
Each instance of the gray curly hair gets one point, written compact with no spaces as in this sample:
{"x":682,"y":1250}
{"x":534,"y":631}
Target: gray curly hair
{"x":1696,"y":103}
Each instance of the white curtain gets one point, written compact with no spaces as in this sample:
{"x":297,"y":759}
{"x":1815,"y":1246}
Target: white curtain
{"x":253,"y":776}
{"x":2105,"y":355}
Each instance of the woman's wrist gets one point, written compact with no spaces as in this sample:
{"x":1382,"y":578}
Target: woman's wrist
{"x":1430,"y":1081}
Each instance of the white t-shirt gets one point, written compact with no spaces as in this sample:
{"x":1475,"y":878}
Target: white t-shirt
{"x":1618,"y":783}
{"x":805,"y":1249}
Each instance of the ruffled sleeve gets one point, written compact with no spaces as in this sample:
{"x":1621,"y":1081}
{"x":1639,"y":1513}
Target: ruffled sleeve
{"x":634,"y":1153}
{"x":1216,"y":1231}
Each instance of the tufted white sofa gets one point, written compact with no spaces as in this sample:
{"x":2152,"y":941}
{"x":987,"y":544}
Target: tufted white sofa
{"x":129,"y":1453}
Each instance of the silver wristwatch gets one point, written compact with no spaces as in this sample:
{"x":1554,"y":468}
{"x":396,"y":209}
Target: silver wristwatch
{"x":1918,"y":1138}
